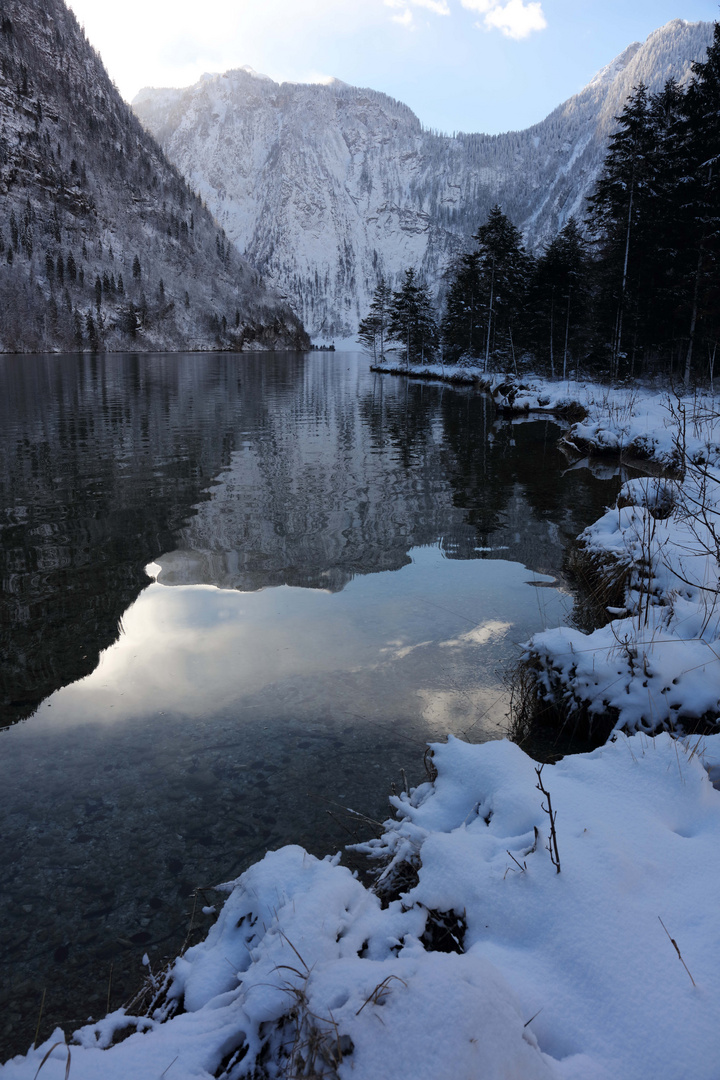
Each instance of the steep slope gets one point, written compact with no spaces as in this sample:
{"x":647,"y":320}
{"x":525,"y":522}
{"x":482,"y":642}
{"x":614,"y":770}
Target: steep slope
{"x":102,"y":243}
{"x":324,"y":187}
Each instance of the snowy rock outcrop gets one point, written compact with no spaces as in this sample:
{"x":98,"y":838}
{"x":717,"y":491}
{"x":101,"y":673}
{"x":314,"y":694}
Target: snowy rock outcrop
{"x":103,"y":246}
{"x":325,"y":187}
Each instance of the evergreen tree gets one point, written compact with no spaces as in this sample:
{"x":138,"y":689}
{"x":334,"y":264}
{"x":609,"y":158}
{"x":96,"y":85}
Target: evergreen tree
{"x":464,"y":319}
{"x":701,"y":187}
{"x":619,"y":212}
{"x":504,"y":269}
{"x":77,"y":329}
{"x":412,"y":322}
{"x":373,"y":330}
{"x":92,"y":334}
{"x":560,"y":295}
{"x":661,"y":290}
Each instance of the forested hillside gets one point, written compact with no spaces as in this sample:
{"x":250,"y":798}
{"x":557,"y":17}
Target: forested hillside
{"x":327,"y":187}
{"x":634,"y":283}
{"x":102,"y":243}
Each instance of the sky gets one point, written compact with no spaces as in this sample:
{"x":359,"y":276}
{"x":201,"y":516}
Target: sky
{"x":461,"y":65}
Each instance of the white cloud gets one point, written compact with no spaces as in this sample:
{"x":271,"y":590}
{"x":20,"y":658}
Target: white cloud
{"x":404,"y":19}
{"x":405,"y":16}
{"x":515,"y":18}
{"x":492,"y":630}
{"x":439,"y":7}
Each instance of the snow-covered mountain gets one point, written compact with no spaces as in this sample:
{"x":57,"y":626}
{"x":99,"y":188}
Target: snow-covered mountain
{"x":326,"y":186}
{"x":102,"y":243}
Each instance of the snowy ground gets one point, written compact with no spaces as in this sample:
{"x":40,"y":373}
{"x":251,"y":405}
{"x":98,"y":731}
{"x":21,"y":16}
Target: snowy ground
{"x":567,"y":975}
{"x":656,"y":664}
{"x":475,"y":957}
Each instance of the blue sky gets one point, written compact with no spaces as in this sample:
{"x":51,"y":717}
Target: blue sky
{"x":471,"y":65}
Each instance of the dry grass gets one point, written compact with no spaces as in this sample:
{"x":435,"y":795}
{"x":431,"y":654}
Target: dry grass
{"x":545,"y":730}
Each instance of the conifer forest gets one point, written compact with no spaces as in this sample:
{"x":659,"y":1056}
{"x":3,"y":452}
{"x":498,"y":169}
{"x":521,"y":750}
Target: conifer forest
{"x":631,"y":287}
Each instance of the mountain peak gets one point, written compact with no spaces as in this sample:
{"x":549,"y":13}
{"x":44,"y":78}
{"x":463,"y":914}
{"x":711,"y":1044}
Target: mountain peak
{"x":325,"y":191}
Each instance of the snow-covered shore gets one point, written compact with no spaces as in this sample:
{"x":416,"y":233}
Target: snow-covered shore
{"x":484,"y":963}
{"x":656,"y":664}
{"x":476,"y":955}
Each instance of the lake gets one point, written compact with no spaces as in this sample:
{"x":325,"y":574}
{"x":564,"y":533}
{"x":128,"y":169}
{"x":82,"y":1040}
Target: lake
{"x":240,"y":595}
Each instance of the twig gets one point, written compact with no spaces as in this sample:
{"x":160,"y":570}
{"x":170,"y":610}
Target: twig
{"x":552,"y":814}
{"x":674,"y":942}
{"x":528,"y":1022}
{"x":37,"y":1029}
{"x":522,"y":867}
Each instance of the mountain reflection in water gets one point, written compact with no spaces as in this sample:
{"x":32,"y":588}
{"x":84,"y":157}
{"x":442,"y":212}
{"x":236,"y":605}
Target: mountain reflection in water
{"x":344,"y":567}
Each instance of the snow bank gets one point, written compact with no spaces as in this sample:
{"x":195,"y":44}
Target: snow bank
{"x":632,"y":421}
{"x":656,"y":665}
{"x":566,"y":976}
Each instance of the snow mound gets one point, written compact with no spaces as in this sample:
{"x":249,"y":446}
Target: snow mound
{"x":547,"y":975}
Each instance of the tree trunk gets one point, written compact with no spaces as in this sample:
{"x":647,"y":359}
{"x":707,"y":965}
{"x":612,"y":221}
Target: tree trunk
{"x":567,"y":332}
{"x":490,"y":312}
{"x":552,"y":333}
{"x":693,"y":319}
{"x":618,"y":340}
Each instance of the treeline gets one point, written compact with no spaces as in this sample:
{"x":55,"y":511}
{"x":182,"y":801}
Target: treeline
{"x":636,"y":287}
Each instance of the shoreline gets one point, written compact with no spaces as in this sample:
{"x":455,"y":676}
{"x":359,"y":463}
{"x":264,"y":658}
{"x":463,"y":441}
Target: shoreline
{"x":654,"y":665}
{"x":523,"y":918}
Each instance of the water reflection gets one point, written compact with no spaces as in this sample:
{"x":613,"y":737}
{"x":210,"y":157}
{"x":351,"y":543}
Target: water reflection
{"x":397,"y":643}
{"x":344,"y":565}
{"x":317,"y":470}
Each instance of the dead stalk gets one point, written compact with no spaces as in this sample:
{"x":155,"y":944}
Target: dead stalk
{"x":37,"y":1029}
{"x":67,"y":1066}
{"x":552,"y":814}
{"x":377,"y":996}
{"x":677,"y":950}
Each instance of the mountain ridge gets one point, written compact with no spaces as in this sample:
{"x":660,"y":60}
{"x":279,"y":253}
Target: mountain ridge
{"x":325,"y":186}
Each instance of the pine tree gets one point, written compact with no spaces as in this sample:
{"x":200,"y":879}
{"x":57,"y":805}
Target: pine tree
{"x":620,"y":216}
{"x":464,"y":318}
{"x":663,"y":284}
{"x":560,"y":296}
{"x":412,"y":322}
{"x":373,"y":330}
{"x":92,"y":334}
{"x":702,"y":204}
{"x":504,"y":270}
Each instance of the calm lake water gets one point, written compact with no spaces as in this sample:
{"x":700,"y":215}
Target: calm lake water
{"x":240,"y":594}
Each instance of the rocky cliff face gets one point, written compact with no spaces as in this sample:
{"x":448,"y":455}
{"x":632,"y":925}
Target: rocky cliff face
{"x":325,"y":187}
{"x":102,"y":243}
